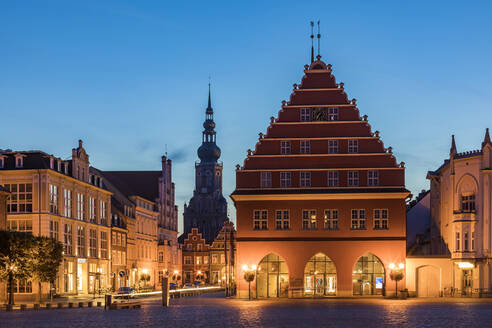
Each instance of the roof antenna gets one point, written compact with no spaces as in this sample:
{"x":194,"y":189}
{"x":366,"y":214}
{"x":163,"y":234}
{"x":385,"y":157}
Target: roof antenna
{"x":319,"y":37}
{"x":312,"y":42}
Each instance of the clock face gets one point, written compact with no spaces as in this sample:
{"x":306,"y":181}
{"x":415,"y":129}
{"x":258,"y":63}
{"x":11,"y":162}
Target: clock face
{"x":318,"y":114}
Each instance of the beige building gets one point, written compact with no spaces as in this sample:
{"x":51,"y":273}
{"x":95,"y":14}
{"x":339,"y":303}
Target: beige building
{"x":54,"y":197}
{"x":223,"y":256}
{"x":4,"y":194}
{"x":460,"y":227}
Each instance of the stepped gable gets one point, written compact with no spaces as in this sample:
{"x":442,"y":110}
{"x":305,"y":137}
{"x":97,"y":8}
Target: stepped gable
{"x":319,"y":110}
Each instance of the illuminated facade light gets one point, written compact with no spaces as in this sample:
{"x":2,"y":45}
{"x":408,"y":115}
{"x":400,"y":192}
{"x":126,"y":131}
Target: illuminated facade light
{"x":465,"y":265}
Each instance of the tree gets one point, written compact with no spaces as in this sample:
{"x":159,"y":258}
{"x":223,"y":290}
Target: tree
{"x":15,"y":259}
{"x":47,"y":255}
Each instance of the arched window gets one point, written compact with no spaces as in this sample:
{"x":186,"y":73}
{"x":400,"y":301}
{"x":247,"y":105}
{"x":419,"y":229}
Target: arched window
{"x":320,"y":276}
{"x":368,"y":276}
{"x":272,"y":277}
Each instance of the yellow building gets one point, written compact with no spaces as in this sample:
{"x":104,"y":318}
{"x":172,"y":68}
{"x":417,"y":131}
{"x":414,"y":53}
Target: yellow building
{"x":54,"y":197}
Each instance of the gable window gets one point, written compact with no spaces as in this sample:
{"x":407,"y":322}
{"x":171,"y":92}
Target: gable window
{"x":332,"y":114}
{"x":266,"y":179}
{"x":282,"y":220}
{"x":305,"y":147}
{"x":331,"y":219}
{"x":380,"y":219}
{"x":260,"y":219}
{"x":353,"y":178}
{"x":332,"y":178}
{"x":305,"y":114}
{"x":372,"y":178}
{"x":285,"y":179}
{"x":353,"y":146}
{"x":468,"y":203}
{"x":332,"y":146}
{"x":284,"y":147}
{"x":358,"y":219}
{"x":305,"y":178}
{"x":309,"y":220}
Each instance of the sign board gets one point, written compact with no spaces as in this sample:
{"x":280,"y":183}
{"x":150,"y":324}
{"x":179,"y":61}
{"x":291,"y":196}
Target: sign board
{"x":379,"y":282}
{"x":121,"y":273}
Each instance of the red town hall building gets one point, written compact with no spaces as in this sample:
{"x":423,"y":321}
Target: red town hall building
{"x":320,"y":201}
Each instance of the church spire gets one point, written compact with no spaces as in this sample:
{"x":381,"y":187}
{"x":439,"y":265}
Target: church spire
{"x":208,"y":151}
{"x":486,"y":139}
{"x":209,"y":108}
{"x":452,"y":151}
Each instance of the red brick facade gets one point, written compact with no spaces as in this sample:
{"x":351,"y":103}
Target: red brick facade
{"x":320,"y":182}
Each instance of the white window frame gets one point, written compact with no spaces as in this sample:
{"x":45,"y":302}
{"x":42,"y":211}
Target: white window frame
{"x":331,"y":219}
{"x":282,"y":219}
{"x":305,"y":147}
{"x":353,"y":146}
{"x":381,"y":219}
{"x":353,"y":178}
{"x":266,"y":179}
{"x":333,"y":114}
{"x":373,"y":178}
{"x":305,"y":179}
{"x":260,"y":219}
{"x":285,"y":179}
{"x":309,"y":219}
{"x":333,"y":178}
{"x":332,"y":146}
{"x":358,"y":219}
{"x":305,"y":114}
{"x":285,"y":148}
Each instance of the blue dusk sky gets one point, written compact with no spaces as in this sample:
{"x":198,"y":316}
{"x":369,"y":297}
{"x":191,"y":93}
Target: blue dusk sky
{"x":130,"y":77}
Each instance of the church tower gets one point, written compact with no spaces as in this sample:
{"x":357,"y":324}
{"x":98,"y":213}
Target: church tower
{"x":207,"y":209}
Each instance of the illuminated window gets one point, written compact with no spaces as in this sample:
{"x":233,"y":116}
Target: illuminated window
{"x":332,"y":178}
{"x":92,"y":209}
{"x":93,"y":243}
{"x":332,"y":146}
{"x":68,"y":203}
{"x":353,"y":146}
{"x":187,"y":260}
{"x":215,"y":259}
{"x":80,"y":207}
{"x":372,"y":178}
{"x":380,"y":219}
{"x":284,"y":147}
{"x":309,"y":220}
{"x":54,"y":229}
{"x":266,"y":179}
{"x":473,"y":241}
{"x":53,"y":194}
{"x":260,"y":219}
{"x":305,"y":179}
{"x":358,"y":220}
{"x":20,"y":225}
{"x":331,"y":219}
{"x":305,"y":114}
{"x":22,"y":286}
{"x":81,"y":241}
{"x":285,"y":179}
{"x":282,"y":220}
{"x":68,"y":239}
{"x":332,"y":114}
{"x":353,"y":178}
{"x":161,"y":257}
{"x":305,"y":147}
{"x":102,"y":213}
{"x":104,"y":244}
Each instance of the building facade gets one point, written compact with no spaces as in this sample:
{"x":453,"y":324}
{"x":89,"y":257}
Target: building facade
{"x":4,"y":194}
{"x":223,"y":256}
{"x":54,"y":198}
{"x":207,"y":209}
{"x":320,"y":201}
{"x":196,"y":256}
{"x":461,"y":220}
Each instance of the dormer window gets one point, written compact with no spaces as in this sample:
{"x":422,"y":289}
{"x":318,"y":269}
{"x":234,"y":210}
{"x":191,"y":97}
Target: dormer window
{"x":468,"y":203}
{"x":2,"y":165}
{"x":52,"y":163}
{"x":19,"y":161}
{"x":58,"y":164}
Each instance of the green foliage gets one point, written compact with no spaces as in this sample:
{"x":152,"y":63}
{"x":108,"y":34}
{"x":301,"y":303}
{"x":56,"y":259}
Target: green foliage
{"x":25,"y":256}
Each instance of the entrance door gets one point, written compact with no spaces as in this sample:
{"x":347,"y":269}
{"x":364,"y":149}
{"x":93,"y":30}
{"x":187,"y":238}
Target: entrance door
{"x":320,"y":285}
{"x":428,"y":278}
{"x":466,"y":282}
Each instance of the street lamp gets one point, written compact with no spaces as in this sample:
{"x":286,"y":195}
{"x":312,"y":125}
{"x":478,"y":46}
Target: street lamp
{"x":249,"y":276}
{"x":396,"y":274}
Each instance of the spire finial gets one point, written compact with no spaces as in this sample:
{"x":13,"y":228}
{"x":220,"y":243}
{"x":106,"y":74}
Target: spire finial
{"x":209,"y":100}
{"x":452,"y":151}
{"x":319,"y":38}
{"x":486,"y":139}
{"x":312,"y":42}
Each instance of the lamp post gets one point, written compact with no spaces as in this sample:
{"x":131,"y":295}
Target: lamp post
{"x":176,"y":276}
{"x":396,"y":274}
{"x":249,"y":276}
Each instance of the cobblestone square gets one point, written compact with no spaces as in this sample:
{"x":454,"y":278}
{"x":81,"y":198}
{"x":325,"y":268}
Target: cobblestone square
{"x":215,"y":311}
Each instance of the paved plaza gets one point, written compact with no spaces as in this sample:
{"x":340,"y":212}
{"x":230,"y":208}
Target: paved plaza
{"x":215,"y":311}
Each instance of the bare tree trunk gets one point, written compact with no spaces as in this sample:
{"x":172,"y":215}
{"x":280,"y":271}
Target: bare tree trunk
{"x":11,"y":289}
{"x":39,"y":291}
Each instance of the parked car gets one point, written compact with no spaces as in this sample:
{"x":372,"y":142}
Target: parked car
{"x":197,"y":283}
{"x":125,"y":292}
{"x":188,"y":285}
{"x":173,"y":285}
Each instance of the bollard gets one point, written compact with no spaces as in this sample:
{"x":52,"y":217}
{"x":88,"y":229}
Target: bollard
{"x":107,"y":302}
{"x":99,"y":304}
{"x":89,"y":304}
{"x":48,"y":305}
{"x":60,"y":305}
{"x":70,"y":305}
{"x":23,"y":307}
{"x":36,"y":306}
{"x":81,"y":304}
{"x":165,"y":291}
